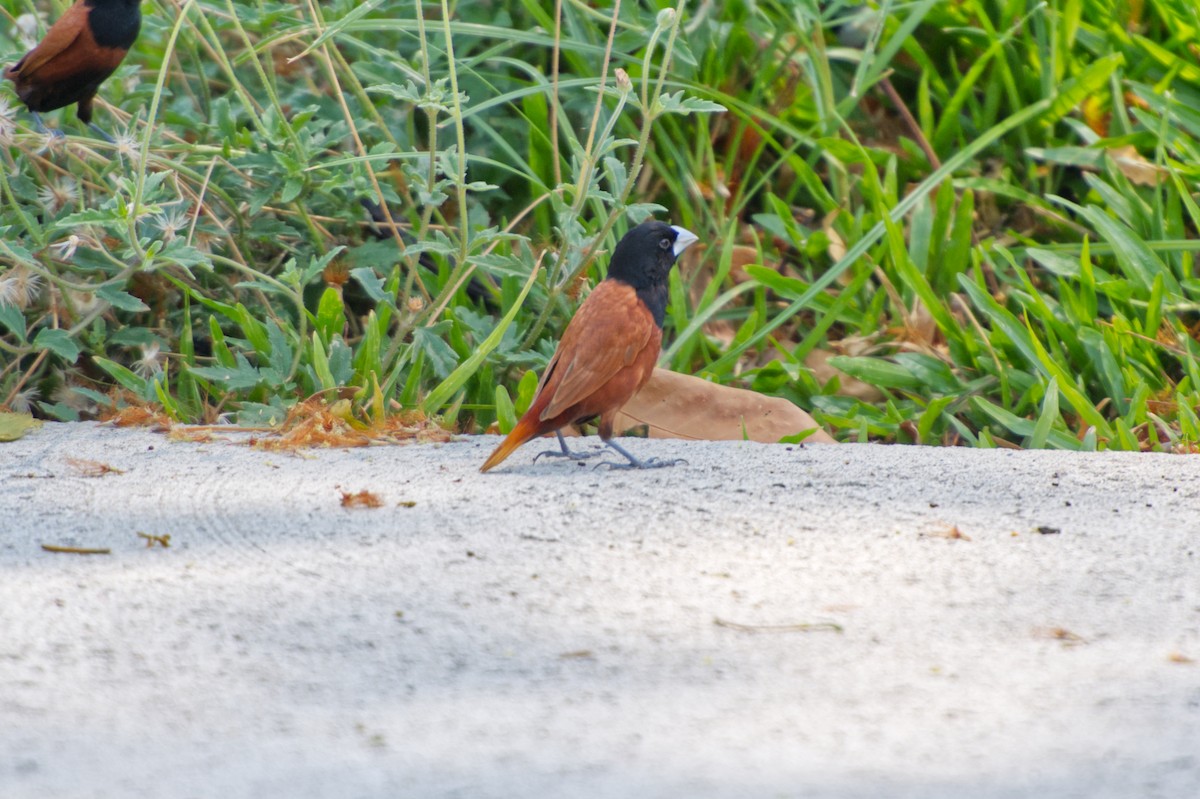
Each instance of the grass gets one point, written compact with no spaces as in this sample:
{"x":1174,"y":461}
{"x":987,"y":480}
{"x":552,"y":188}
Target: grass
{"x":982,"y":215}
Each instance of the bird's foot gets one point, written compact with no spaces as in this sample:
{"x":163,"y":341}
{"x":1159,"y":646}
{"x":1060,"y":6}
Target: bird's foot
{"x":637,"y":463}
{"x":565,"y":451}
{"x":568,"y":454}
{"x":649,"y":463}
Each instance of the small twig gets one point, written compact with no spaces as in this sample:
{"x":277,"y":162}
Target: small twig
{"x":77,"y":550}
{"x":163,"y":541}
{"x":913,"y":126}
{"x":821,"y":626}
{"x":89,"y":468}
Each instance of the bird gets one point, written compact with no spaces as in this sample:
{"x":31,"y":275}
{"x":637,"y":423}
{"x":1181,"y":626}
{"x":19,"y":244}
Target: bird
{"x":78,"y":53}
{"x":609,"y":348}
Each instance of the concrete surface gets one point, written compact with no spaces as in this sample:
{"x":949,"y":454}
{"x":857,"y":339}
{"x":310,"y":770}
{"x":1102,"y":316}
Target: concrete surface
{"x":550,"y":631}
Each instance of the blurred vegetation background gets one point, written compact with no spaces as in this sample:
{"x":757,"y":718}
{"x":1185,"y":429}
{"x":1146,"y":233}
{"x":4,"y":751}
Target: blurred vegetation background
{"x":963,"y":222}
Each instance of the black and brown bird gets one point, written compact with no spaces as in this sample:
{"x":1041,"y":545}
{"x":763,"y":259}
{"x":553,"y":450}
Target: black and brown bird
{"x":78,"y":53}
{"x":609,"y":348}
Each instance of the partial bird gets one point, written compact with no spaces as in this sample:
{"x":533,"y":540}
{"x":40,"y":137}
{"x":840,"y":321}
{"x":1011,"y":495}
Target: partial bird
{"x":78,"y":53}
{"x":609,"y":348}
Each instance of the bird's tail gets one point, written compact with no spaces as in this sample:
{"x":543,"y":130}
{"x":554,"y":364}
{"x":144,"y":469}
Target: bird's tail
{"x":524,"y":431}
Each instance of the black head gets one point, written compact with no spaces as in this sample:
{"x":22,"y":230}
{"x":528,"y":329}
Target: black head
{"x":643,"y":259}
{"x":646,"y":254}
{"x":115,"y":23}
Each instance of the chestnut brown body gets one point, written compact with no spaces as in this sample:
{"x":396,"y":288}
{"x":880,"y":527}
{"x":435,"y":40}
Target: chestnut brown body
{"x":610,"y":347}
{"x":79,"y":52}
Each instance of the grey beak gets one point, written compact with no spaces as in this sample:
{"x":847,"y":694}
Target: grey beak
{"x":684,"y":238}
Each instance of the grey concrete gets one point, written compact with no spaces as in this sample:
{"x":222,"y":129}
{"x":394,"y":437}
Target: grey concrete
{"x":549,"y":630}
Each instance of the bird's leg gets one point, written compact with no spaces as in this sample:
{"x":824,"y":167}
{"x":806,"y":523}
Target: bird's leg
{"x":41,"y":126}
{"x":566,"y":452}
{"x":99,"y":131}
{"x":635,"y":463}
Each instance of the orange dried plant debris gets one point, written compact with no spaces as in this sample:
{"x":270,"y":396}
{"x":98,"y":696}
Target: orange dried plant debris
{"x":316,"y":423}
{"x":89,"y":468}
{"x":128,"y":410}
{"x":360,"y":499}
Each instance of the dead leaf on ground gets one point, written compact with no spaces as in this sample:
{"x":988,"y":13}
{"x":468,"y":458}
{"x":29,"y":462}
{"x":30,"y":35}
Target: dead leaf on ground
{"x":1135,"y":166}
{"x":674,"y":405}
{"x":1179,"y":657}
{"x":837,"y":247}
{"x":1067,"y":637}
{"x":87,"y":468}
{"x":360,"y":499}
{"x":138,"y":416}
{"x":199,"y":434}
{"x":316,"y":423}
{"x":151,"y":540}
{"x":802,"y":627}
{"x":15,"y":425}
{"x":953,"y":533}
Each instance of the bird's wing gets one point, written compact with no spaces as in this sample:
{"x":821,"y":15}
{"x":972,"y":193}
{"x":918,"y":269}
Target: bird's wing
{"x":608,"y":332}
{"x":62,"y":35}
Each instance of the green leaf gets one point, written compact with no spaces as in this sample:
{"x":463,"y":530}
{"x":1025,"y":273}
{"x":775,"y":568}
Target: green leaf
{"x":430,"y":341}
{"x":448,"y":387}
{"x":121,"y":300}
{"x":1092,"y":80}
{"x":678,"y":104}
{"x":1047,"y":417}
{"x":15,"y":425}
{"x":876,"y":372}
{"x":12,"y":318}
{"x":1055,"y":263}
{"x":930,"y":416}
{"x":125,"y":377}
{"x":505,"y":413}
{"x":331,"y":316}
{"x":321,"y":364}
{"x":526,"y":391}
{"x":372,"y":283}
{"x":57,"y":341}
{"x":242,"y":376}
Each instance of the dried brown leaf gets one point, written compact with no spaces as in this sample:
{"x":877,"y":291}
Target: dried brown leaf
{"x":1134,"y":165}
{"x":151,"y":540}
{"x":681,"y":406}
{"x":87,"y":468}
{"x":360,"y":499}
{"x":952,"y":533}
{"x":316,"y":423}
{"x":837,"y":246}
{"x":1067,"y":637}
{"x":138,"y":416}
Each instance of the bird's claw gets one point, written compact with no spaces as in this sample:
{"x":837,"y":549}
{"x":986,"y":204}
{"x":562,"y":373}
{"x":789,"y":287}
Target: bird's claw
{"x":575,"y":456}
{"x":649,"y":463}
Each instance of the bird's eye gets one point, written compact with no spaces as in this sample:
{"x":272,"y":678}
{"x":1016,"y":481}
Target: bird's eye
{"x":664,"y":244}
